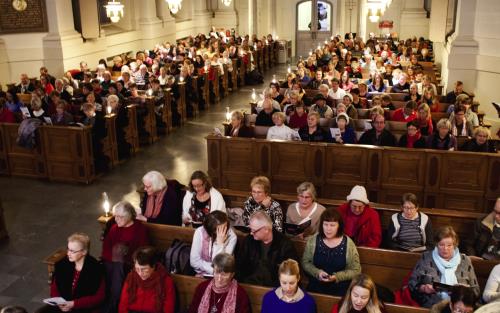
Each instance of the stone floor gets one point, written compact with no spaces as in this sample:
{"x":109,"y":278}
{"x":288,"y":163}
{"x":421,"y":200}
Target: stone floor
{"x":41,"y":214}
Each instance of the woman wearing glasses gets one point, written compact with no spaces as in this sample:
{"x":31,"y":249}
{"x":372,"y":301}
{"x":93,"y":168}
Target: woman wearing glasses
{"x":462,"y":300}
{"x":78,"y":278}
{"x":409,"y":230}
{"x":221,"y":293}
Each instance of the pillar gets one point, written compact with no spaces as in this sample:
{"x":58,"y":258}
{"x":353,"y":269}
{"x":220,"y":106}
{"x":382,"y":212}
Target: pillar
{"x":437,"y":28}
{"x":225,"y":16}
{"x":414,"y":20}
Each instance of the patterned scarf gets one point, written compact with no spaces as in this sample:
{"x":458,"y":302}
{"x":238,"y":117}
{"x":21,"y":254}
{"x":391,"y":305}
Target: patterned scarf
{"x":154,"y":203}
{"x":229,"y":303}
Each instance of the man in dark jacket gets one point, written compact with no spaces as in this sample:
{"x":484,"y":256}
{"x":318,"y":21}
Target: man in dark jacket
{"x":261,"y":252}
{"x":378,"y":135}
{"x":486,"y":242}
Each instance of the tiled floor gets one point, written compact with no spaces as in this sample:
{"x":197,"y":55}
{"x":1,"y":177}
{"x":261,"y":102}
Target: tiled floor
{"x":41,"y":214}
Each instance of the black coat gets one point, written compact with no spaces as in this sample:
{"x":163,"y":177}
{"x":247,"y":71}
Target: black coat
{"x":244,"y":131}
{"x":253,"y":268}
{"x":386,"y":138}
{"x":171,"y":210}
{"x":472,"y":146}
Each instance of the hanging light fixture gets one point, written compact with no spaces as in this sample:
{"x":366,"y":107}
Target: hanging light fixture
{"x":376,"y":9}
{"x":114,"y":11}
{"x":226,"y":2}
{"x":174,"y":5}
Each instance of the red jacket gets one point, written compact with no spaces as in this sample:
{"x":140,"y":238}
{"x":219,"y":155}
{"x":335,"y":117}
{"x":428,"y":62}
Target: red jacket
{"x":399,"y":116}
{"x":368,"y":232}
{"x":146,"y":298}
{"x":6,"y":116}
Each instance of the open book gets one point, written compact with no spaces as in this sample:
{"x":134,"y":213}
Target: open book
{"x":54,"y":301}
{"x":296,"y":229}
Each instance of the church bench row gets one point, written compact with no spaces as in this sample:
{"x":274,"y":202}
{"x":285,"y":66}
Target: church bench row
{"x":450,"y":180}
{"x":186,"y":285}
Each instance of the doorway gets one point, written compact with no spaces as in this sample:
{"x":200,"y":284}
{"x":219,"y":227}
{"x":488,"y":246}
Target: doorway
{"x":315,"y":20}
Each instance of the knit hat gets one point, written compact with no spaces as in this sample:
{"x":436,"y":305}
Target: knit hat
{"x":358,"y":193}
{"x":344,"y":116}
{"x":348,"y":95}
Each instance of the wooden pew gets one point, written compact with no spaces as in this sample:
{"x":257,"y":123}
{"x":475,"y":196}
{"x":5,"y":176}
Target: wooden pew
{"x":109,"y":143}
{"x":186,"y":285}
{"x":234,"y":73}
{"x":3,"y":228}
{"x":215,"y":84}
{"x":131,"y":134}
{"x":181,"y":104}
{"x":242,"y":71}
{"x":225,"y":81}
{"x":4,"y":159}
{"x":206,"y":90}
{"x":149,"y":121}
{"x":462,"y":181}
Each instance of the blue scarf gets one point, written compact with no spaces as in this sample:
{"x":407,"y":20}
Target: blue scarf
{"x":447,"y":269}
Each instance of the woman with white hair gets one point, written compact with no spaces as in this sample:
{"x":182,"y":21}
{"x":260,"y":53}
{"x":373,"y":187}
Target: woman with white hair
{"x":442,"y":139}
{"x":480,"y":142}
{"x":162,"y":201}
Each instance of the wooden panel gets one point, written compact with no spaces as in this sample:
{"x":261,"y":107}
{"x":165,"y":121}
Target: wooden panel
{"x":109,"y":143}
{"x":493,"y":183}
{"x":131,"y":132}
{"x":464,"y":171}
{"x":214,"y":170}
{"x":234,"y":74}
{"x":238,"y":159}
{"x":403,"y":168}
{"x":4,"y":163}
{"x":181,"y":104}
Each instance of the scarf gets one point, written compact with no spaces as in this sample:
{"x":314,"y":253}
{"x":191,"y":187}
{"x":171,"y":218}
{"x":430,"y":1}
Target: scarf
{"x":155,"y":282}
{"x":412,"y":139}
{"x":229,"y":303}
{"x":447,"y":269}
{"x":206,"y":245}
{"x":154,"y":203}
{"x":463,"y":132}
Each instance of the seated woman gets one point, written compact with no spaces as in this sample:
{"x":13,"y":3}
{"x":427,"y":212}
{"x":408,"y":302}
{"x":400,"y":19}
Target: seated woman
{"x":221,"y":293}
{"x":413,"y":95}
{"x":79,"y":278}
{"x":330,"y":258}
{"x":360,"y":297}
{"x":12,"y":102}
{"x":313,"y":132}
{"x":261,"y":200}
{"x":442,"y":139}
{"x":413,"y":137}
{"x":148,"y":288}
{"x":214,"y":237}
{"x":347,"y":134}
{"x":237,"y":128}
{"x":459,"y":124}
{"x":306,"y":208}
{"x":119,"y":244}
{"x":424,"y":120}
{"x":275,"y":92}
{"x":445,"y":264}
{"x":410,"y":229}
{"x":61,"y":117}
{"x":462,"y":299}
{"x":162,"y":201}
{"x":492,"y":289}
{"x":280,"y":130}
{"x":200,"y":199}
{"x":480,"y":142}
{"x":377,"y":84}
{"x":36,"y":109}
{"x":298,"y":118}
{"x":289,"y":297}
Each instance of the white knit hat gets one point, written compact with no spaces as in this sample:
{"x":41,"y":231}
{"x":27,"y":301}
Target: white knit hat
{"x":358,"y":193}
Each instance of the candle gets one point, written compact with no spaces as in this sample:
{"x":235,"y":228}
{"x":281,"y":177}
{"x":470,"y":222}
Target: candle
{"x":108,"y":109}
{"x":254,"y":95}
{"x":228,"y":115}
{"x":106,"y":205}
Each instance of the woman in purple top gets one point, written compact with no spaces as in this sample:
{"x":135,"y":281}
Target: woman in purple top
{"x":288,"y":297}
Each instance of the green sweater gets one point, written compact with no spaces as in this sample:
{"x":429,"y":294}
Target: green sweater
{"x":353,"y":267}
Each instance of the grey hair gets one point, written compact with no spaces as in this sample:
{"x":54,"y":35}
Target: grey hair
{"x":156,"y":179}
{"x":113,"y":98}
{"x":224,"y":262}
{"x":125,"y":208}
{"x":262,"y":217}
{"x":443,"y":123}
{"x":307,"y":187}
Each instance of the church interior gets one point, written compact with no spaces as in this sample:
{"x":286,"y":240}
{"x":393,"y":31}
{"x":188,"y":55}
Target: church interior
{"x":66,"y":179}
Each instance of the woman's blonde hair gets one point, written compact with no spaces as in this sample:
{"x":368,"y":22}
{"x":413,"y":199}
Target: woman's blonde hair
{"x":307,"y":187}
{"x":483,"y":130}
{"x":289,"y":267}
{"x":263,"y":182}
{"x":82,"y":238}
{"x":363,"y":281}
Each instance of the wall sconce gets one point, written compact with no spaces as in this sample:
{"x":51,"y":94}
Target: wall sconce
{"x":114,"y":10}
{"x":226,"y":2}
{"x":174,"y":5}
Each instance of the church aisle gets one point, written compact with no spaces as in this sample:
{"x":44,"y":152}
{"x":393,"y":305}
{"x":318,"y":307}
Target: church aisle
{"x":40,"y":215}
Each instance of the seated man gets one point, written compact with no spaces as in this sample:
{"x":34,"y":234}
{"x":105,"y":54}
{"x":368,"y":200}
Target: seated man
{"x":361,"y":222}
{"x":324,"y":90}
{"x":402,"y":85}
{"x":486,"y":243}
{"x":262,"y":251}
{"x":451,"y":97}
{"x":317,"y":81}
{"x":336,"y":92}
{"x":320,"y":107}
{"x":25,"y":86}
{"x":378,"y":135}
{"x":406,"y":114}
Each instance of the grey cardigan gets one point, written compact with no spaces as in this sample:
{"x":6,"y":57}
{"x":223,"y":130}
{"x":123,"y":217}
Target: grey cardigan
{"x":426,"y":271}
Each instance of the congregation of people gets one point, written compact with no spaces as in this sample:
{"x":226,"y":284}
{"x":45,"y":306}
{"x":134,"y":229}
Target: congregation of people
{"x":133,"y":276}
{"x":343,"y":85}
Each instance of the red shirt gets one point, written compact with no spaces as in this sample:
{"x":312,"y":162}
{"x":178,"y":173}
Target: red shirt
{"x":145,"y":299}
{"x":399,"y":116}
{"x":6,"y":116}
{"x":298,"y":121}
{"x":364,"y":229}
{"x":133,"y":237}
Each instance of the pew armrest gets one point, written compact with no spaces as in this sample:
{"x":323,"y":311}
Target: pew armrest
{"x":51,"y":261}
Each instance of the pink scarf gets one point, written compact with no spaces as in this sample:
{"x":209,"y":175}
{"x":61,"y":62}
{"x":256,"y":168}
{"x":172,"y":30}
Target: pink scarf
{"x":229,"y":303}
{"x":206,"y":254}
{"x":154,"y":203}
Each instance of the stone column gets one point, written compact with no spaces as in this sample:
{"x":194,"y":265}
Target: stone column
{"x":225,"y":16}
{"x":437,"y":28}
{"x":149,"y":23}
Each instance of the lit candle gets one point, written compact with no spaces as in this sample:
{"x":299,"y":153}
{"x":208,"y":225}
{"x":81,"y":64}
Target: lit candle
{"x":277,"y":38}
{"x":267,"y":42}
{"x":206,"y":68}
{"x":319,"y":47}
{"x":289,"y":70}
{"x":150,"y":92}
{"x":108,"y":109}
{"x":310,"y":52}
{"x":254,"y":95}
{"x":181,"y":79}
{"x":106,"y":205}
{"x":228,"y":115}
{"x":190,"y":55}
{"x":255,"y":46}
{"x":274,"y":79}
{"x":326,"y":42}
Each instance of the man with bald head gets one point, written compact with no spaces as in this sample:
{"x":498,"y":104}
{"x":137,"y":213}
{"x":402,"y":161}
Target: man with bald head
{"x":262,"y":251}
{"x":25,"y":86}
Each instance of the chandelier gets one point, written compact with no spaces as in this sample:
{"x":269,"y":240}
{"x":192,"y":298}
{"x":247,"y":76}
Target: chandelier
{"x":376,"y":8}
{"x":226,"y":2}
{"x":174,"y":5}
{"x":114,"y":11}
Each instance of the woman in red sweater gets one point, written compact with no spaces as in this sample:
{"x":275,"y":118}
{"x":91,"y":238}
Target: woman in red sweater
{"x":149,"y":288}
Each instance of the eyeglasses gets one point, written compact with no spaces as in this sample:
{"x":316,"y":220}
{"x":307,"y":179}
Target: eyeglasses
{"x":74,"y":251}
{"x":256,"y":230}
{"x":409,"y":208}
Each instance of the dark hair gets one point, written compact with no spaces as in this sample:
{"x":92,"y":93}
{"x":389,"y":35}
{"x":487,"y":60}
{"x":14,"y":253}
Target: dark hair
{"x":201,"y":176}
{"x":132,"y":86}
{"x":463,"y":294}
{"x":146,"y":255}
{"x":224,"y":262}
{"x":95,"y":81}
{"x":275,"y":85}
{"x":13,"y":93}
{"x":411,"y":105}
{"x":355,"y":91}
{"x":331,"y":215}
{"x":413,"y":123}
{"x":155,"y":81}
{"x":460,"y":108}
{"x":409,"y":197}
{"x":2,"y":102}
{"x":213,"y":220}
{"x":335,"y":80}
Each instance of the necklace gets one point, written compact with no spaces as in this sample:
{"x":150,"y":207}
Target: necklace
{"x":213,"y":308}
